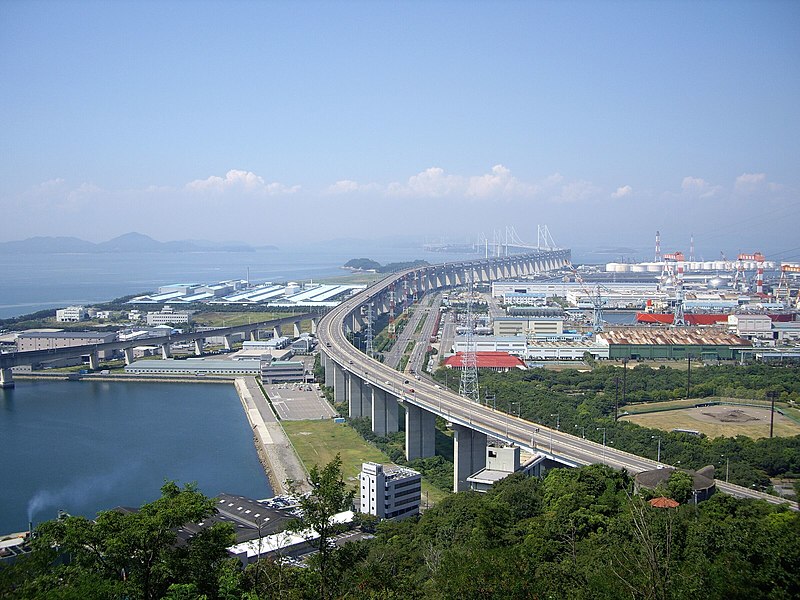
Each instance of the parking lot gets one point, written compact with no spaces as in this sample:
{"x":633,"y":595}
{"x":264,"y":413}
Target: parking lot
{"x":299,"y":401}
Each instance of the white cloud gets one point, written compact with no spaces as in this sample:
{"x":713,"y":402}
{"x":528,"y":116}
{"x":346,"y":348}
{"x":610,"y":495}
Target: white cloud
{"x":622,"y":192}
{"x":747,"y":183}
{"x":699,"y":188}
{"x":575,"y":191}
{"x":243,"y":181}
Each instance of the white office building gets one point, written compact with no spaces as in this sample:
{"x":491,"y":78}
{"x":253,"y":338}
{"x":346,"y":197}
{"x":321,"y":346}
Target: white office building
{"x":71,"y":314}
{"x":389,"y":492}
{"x":167,"y":316}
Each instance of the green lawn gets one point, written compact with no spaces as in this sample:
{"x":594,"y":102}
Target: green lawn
{"x":318,"y":442}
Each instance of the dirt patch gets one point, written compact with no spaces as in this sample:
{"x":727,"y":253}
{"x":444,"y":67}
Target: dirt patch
{"x":730,"y":415}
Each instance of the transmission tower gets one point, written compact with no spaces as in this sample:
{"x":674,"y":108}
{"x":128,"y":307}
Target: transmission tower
{"x":468,"y":386}
{"x":391,"y":312}
{"x":369,"y":337}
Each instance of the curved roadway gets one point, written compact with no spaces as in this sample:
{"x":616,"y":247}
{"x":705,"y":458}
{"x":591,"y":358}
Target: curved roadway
{"x":565,"y":447}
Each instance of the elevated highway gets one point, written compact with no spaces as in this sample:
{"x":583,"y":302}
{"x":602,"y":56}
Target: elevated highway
{"x":93,"y":351}
{"x":374,"y":390}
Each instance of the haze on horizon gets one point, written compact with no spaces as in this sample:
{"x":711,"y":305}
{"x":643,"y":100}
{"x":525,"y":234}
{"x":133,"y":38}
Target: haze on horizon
{"x":270,"y":123}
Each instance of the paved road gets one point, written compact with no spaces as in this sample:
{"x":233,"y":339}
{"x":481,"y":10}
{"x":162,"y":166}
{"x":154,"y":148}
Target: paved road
{"x":456,"y":409}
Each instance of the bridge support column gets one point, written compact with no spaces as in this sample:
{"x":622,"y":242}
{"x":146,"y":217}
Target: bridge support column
{"x":128,"y":355}
{"x":420,"y":432}
{"x":339,"y":384}
{"x":313,"y":327}
{"x":276,"y":331}
{"x":329,"y":369}
{"x":469,"y":454}
{"x":166,"y":351}
{"x":198,"y":347}
{"x":228,"y":343}
{"x":6,"y":379}
{"x":384,"y":412}
{"x":94,"y":361}
{"x":296,"y":329}
{"x":355,"y":392}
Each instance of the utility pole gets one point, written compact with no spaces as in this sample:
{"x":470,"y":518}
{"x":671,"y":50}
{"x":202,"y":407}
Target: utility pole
{"x":624,"y":378}
{"x":689,"y":376}
{"x":616,"y":398}
{"x":771,"y":395}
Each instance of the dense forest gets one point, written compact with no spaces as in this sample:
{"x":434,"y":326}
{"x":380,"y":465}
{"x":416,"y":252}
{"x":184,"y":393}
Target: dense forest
{"x":578,"y":533}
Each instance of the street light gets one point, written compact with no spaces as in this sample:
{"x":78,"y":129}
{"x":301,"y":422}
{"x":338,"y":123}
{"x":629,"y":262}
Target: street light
{"x":652,"y":437}
{"x":727,"y":466}
{"x":583,"y":430}
{"x":558,"y":420}
{"x":604,"y":443}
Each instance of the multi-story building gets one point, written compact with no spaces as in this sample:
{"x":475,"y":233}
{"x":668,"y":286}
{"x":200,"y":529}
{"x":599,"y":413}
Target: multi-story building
{"x":71,"y":314}
{"x":167,"y":316}
{"x":279,"y":371}
{"x":529,"y":326}
{"x":53,"y":340}
{"x":389,"y":492}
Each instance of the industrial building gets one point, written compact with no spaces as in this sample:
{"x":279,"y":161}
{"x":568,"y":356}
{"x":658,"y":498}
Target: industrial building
{"x":167,"y":316}
{"x":502,"y":461}
{"x":195,"y":366}
{"x":528,"y":326}
{"x":53,"y":340}
{"x":389,"y":492}
{"x":674,"y":343}
{"x":281,"y":371}
{"x":494,"y":361}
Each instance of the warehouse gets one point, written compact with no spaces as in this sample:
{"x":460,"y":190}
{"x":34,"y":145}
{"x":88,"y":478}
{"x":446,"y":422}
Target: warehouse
{"x":674,"y":343}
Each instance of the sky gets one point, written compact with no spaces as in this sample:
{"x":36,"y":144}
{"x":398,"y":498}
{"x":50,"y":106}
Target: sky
{"x":279,"y":122}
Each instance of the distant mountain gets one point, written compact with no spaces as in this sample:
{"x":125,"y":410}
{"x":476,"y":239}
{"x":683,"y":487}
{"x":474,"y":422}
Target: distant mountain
{"x":129,"y":242}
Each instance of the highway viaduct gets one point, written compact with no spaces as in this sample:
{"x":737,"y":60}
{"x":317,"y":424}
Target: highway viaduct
{"x":250,"y":330}
{"x":372,"y":389}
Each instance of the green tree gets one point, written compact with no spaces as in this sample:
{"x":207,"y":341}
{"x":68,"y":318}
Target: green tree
{"x":130,"y":554}
{"x":329,"y":496}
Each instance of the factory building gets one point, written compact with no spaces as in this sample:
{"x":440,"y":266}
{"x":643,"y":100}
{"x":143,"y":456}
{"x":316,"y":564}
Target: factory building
{"x":561,"y":289}
{"x":389,"y":492}
{"x":495,"y":361}
{"x":194,"y":366}
{"x":528,"y":326}
{"x":53,"y":340}
{"x":511,"y":344}
{"x":502,"y":461}
{"x":678,"y":343}
{"x":750,"y":326}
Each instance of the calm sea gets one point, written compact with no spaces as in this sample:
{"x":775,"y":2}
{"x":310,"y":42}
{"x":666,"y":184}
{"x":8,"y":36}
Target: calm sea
{"x":32,"y":282}
{"x":89,"y":446}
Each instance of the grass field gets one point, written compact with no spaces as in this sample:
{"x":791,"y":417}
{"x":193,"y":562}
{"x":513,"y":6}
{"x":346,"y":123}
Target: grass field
{"x":647,"y":407}
{"x":231,"y":319}
{"x":318,"y":442}
{"x":707,"y":420}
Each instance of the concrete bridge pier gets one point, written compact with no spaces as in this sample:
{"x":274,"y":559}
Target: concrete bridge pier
{"x":420,"y":432}
{"x":198,"y":347}
{"x":469,"y":454}
{"x":228,"y":343}
{"x":385,"y":410}
{"x":128,"y":355}
{"x":313,"y":327}
{"x":276,"y":331}
{"x":328,"y":364}
{"x":166,"y":350}
{"x":254,"y":335}
{"x":6,"y":379}
{"x":339,"y":384}
{"x":296,"y":329}
{"x":94,"y":361}
{"x":355,"y":392}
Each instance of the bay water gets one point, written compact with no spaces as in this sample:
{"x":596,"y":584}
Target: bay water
{"x":87,"y":446}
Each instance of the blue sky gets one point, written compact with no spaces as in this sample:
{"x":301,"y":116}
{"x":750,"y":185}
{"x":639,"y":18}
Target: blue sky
{"x":252,"y":121}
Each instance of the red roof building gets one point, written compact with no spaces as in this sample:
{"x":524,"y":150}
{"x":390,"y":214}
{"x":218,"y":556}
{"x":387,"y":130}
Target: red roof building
{"x":663,"y":502}
{"x":496,"y":361}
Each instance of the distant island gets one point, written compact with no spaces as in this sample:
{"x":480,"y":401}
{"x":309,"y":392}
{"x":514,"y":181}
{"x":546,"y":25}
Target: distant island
{"x":129,"y":242}
{"x":369,"y":265}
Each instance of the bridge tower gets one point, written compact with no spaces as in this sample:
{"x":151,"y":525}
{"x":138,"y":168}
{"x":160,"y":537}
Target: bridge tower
{"x":468,"y":386}
{"x":368,"y":336}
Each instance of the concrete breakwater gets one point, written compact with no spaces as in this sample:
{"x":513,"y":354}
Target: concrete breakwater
{"x":275,"y":451}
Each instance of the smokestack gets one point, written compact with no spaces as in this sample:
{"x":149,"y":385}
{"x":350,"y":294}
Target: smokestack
{"x":658,"y":246}
{"x":691,"y":248}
